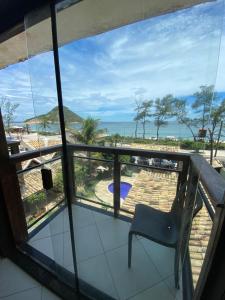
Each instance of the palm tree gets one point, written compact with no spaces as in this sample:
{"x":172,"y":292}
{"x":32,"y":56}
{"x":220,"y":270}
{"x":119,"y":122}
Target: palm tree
{"x":89,"y":131}
{"x":88,"y":135}
{"x":115,"y":139}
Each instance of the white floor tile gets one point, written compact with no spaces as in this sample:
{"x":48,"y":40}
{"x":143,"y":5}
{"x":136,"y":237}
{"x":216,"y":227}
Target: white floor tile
{"x":101,"y":217}
{"x":88,"y":243}
{"x":48,"y":295}
{"x":162,"y":257}
{"x":60,"y":223}
{"x":13,"y":279}
{"x":177,"y":293}
{"x":140,"y":276}
{"x":43,"y":245}
{"x":157,"y":292}
{"x":113,"y":233}
{"x":43,"y":233}
{"x":95,"y":271}
{"x":82,"y":217}
{"x":96,"y":233}
{"x":56,"y":247}
{"x":34,"y":294}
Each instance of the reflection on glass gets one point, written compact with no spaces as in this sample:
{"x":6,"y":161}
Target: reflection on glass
{"x":43,"y":186}
{"x":36,"y":200}
{"x":93,"y":178}
{"x":150,"y":83}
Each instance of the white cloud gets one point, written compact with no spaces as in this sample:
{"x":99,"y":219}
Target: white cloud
{"x":103,"y":75}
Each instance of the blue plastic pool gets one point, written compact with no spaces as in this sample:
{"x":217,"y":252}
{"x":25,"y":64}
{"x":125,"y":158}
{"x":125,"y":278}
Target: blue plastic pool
{"x":124,"y":189}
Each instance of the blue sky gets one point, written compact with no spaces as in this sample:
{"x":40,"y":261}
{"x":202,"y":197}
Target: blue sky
{"x":103,"y":75}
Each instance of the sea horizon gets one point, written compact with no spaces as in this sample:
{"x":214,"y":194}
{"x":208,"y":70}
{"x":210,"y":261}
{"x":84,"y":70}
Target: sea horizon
{"x":127,"y":128}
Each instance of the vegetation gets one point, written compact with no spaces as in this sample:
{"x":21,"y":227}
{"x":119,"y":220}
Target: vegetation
{"x":89,"y":131}
{"x":217,"y":116}
{"x":180,"y":111}
{"x":8,"y":112}
{"x":44,"y":123}
{"x":207,"y":116}
{"x":137,"y":116}
{"x":145,"y":113}
{"x":114,"y":139}
{"x":202,"y":104}
{"x":35,"y":202}
{"x":163,"y":111}
{"x":183,"y":144}
{"x":58,"y":181}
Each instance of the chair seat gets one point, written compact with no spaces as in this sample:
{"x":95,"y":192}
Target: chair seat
{"x":156,"y":225}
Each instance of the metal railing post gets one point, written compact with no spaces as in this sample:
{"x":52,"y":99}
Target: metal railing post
{"x":71,"y":173}
{"x":182,"y":177}
{"x":116,"y":180}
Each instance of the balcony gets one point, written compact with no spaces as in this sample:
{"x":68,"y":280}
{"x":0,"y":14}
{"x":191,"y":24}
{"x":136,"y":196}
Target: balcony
{"x":101,"y":248}
{"x":101,"y":219}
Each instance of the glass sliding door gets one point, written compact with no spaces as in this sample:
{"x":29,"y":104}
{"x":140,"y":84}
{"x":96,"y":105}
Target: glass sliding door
{"x":44,"y":185}
{"x":143,"y":80}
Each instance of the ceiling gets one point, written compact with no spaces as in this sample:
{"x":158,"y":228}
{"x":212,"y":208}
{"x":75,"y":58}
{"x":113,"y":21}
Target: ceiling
{"x":85,"y":18}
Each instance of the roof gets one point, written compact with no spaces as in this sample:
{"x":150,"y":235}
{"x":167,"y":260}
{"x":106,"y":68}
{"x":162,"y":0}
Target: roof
{"x":12,"y":12}
{"x":82,"y":19}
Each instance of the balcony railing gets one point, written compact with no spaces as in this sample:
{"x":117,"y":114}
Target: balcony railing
{"x":91,"y":176}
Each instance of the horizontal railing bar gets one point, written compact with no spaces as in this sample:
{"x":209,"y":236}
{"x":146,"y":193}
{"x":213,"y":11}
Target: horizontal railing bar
{"x":106,"y":205}
{"x":130,"y":151}
{"x":92,"y":158}
{"x":38,"y":166}
{"x":152,"y":167}
{"x":207,"y":203}
{"x":42,"y":216}
{"x":130,"y":164}
{"x":211,"y":180}
{"x":127,"y":211}
{"x":22,"y":156}
{"x":93,"y":201}
{"x":19,"y":157}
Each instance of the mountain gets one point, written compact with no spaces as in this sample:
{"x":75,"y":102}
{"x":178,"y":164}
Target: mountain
{"x":53,"y":116}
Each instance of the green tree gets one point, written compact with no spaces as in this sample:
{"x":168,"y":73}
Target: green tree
{"x":163,"y":111}
{"x":216,"y":117}
{"x":27,"y":128}
{"x":88,"y":135}
{"x":115,"y":139}
{"x":202,"y":103}
{"x":44,"y":123}
{"x":8,"y":112}
{"x":144,"y":113}
{"x":137,"y":116}
{"x":180,"y":111}
{"x":89,"y":131}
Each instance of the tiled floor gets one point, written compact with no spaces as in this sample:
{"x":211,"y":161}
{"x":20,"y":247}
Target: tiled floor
{"x":101,"y":247}
{"x":15,"y":284}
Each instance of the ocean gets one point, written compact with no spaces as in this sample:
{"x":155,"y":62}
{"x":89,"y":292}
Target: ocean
{"x":173,"y":129}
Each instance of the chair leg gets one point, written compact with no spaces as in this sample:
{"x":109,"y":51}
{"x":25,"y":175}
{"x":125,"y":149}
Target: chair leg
{"x":176,"y":269}
{"x":129,"y":248}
